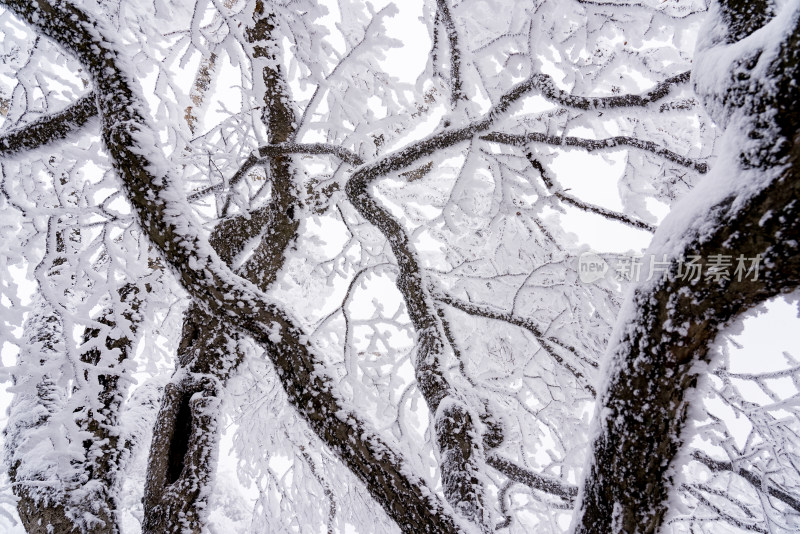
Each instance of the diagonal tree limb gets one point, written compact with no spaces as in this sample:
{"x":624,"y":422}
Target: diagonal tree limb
{"x":591,"y":208}
{"x":49,"y":128}
{"x":166,"y":219}
{"x":756,"y":480}
{"x":181,"y":466}
{"x":695,"y":492}
{"x":533,"y":480}
{"x":456,"y":434}
{"x":546,"y":343}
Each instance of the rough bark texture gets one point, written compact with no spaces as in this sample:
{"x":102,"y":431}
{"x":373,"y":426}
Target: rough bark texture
{"x":50,"y":128}
{"x":184,"y":447}
{"x":457,"y":438}
{"x":645,"y":404}
{"x":185,"y":439}
{"x":86,"y":503}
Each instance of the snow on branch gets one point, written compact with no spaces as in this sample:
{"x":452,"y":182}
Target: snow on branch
{"x":750,"y":210}
{"x":533,"y":480}
{"x":545,"y":84}
{"x":758,"y":481}
{"x":445,"y":17}
{"x":49,"y":128}
{"x":342,"y":153}
{"x":590,"y":145}
{"x":559,"y":193}
{"x":679,"y":12}
{"x":548,"y":344}
{"x":456,"y":434}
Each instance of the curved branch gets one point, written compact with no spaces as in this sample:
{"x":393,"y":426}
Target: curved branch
{"x":591,"y":145}
{"x":674,"y":324}
{"x":545,"y":84}
{"x":49,"y":128}
{"x":457,"y":438}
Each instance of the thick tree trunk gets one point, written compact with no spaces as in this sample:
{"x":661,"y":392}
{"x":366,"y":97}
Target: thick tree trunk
{"x":185,"y":438}
{"x":654,"y":362}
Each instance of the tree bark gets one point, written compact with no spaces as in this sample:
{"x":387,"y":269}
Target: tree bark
{"x":185,"y":439}
{"x":654,"y":362}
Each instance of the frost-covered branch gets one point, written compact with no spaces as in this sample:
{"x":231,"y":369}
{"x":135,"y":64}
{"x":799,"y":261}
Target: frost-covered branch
{"x":326,"y":488}
{"x":591,"y":145}
{"x":267,"y":152}
{"x":728,"y":518}
{"x":638,"y":5}
{"x":49,"y":128}
{"x":66,"y":447}
{"x":559,"y":193}
{"x":456,"y":434}
{"x":238,"y":176}
{"x":347,"y":156}
{"x":201,"y":85}
{"x":545,"y":84}
{"x":535,"y":481}
{"x":444,"y":16}
{"x":742,"y":18}
{"x":758,"y":481}
{"x":455,"y":431}
{"x":548,"y":344}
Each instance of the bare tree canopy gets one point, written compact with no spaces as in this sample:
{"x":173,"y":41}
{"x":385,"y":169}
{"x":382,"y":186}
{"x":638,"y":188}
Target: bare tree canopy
{"x":301,"y":266}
